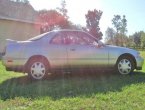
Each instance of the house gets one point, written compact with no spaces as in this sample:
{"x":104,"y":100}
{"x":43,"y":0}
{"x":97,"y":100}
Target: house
{"x":18,"y":21}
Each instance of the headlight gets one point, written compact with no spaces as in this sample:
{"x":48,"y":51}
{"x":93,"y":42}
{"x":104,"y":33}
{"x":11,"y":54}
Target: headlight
{"x":138,"y":54}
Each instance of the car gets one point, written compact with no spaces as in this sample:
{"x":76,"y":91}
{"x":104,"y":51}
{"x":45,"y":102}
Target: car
{"x":67,"y":50}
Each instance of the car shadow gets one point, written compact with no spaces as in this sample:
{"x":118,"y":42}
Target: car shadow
{"x":62,"y":85}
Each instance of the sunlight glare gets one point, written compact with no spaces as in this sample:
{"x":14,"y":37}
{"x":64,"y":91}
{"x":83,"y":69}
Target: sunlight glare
{"x":78,"y":9}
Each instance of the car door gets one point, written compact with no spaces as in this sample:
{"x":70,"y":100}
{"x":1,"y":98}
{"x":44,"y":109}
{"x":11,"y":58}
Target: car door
{"x":82,"y":52}
{"x":57,"y":51}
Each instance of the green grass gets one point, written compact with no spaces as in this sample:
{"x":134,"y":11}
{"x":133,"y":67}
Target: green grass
{"x":73,"y":92}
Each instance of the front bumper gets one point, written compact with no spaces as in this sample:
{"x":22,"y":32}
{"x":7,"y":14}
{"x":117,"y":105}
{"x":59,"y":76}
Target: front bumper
{"x":139,"y":63}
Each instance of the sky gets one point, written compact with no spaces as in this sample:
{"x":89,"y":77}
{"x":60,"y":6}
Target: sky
{"x":134,"y":10}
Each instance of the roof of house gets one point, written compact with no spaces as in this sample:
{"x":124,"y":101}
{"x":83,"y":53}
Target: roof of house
{"x":17,"y":11}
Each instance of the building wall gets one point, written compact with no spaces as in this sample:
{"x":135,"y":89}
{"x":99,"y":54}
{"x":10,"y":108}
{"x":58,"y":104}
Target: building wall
{"x":17,"y":31}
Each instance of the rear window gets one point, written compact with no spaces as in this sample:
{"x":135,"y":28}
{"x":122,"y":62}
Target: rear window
{"x":37,"y":37}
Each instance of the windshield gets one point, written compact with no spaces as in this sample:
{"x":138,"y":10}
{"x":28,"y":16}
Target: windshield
{"x":101,"y":43}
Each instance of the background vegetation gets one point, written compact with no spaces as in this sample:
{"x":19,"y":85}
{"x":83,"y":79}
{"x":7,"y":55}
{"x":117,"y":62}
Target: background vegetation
{"x":117,"y":34}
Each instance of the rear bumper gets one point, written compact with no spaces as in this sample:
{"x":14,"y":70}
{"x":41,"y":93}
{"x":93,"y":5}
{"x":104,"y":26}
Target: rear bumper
{"x":16,"y":69}
{"x":11,"y":64}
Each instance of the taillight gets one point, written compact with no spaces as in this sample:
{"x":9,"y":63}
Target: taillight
{"x":9,"y":61}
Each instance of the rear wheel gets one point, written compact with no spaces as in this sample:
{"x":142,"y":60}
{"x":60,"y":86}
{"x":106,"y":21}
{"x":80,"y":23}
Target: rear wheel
{"x":37,"y":69}
{"x":125,"y":65}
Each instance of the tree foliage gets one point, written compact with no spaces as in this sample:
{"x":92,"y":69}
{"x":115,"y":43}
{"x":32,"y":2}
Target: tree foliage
{"x":120,"y":25}
{"x":92,"y":21}
{"x":110,"y":34}
{"x":51,"y":19}
{"x":116,"y":22}
{"x":63,"y":10}
{"x":57,"y":19}
{"x":136,"y":38}
{"x":123,"y":28}
{"x":143,"y":39}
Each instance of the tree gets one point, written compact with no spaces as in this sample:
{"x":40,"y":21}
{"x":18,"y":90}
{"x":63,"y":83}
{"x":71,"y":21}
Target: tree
{"x":110,"y":34}
{"x":130,"y":42}
{"x":116,"y":22}
{"x":92,"y":23}
{"x":63,"y":9}
{"x":123,"y":28}
{"x":51,"y":19}
{"x":136,"y":37}
{"x":143,"y":40}
{"x":120,"y":25}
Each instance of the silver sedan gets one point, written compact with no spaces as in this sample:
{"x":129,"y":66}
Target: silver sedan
{"x":67,"y":50}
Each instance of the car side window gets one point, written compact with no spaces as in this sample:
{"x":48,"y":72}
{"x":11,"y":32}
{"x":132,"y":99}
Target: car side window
{"x":73,"y":38}
{"x":77,"y":38}
{"x":86,"y":38}
{"x":67,"y":39}
{"x":57,"y":39}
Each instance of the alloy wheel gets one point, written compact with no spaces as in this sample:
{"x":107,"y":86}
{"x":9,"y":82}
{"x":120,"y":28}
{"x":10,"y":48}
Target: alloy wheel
{"x":38,"y":70}
{"x":124,"y":66}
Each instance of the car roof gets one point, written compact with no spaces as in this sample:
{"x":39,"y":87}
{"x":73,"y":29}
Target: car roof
{"x":67,"y":30}
{"x":71,"y":30}
{"x":57,"y":31}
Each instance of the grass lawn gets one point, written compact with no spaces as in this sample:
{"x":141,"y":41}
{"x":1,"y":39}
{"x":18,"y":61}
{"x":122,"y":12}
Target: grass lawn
{"x":73,"y":92}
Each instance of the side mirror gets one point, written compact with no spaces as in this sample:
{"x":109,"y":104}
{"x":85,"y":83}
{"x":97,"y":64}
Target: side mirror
{"x":98,"y":45}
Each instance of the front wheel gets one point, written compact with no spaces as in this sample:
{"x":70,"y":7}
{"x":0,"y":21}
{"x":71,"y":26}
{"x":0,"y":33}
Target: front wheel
{"x":125,"y":65}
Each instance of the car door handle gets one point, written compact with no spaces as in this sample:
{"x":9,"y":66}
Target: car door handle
{"x":72,"y":49}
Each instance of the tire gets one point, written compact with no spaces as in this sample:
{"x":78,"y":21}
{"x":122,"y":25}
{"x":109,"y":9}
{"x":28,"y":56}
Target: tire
{"x":37,"y":68}
{"x":125,"y":65}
